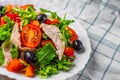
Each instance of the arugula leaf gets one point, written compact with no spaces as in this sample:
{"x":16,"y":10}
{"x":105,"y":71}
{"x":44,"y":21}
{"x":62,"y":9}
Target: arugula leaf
{"x":48,"y":70}
{"x":6,"y":29}
{"x":64,"y":23}
{"x":61,"y":25}
{"x":1,"y":57}
{"x":65,"y":64}
{"x":14,"y":51}
{"x":66,"y":36}
{"x":26,"y":15}
{"x":53,"y":14}
{"x":46,"y":54}
{"x":55,"y":66}
{"x":45,"y":11}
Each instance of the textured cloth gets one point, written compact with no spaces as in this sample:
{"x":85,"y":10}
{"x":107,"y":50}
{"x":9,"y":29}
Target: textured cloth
{"x":101,"y":19}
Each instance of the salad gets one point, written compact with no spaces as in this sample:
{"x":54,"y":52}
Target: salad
{"x":36,"y":42}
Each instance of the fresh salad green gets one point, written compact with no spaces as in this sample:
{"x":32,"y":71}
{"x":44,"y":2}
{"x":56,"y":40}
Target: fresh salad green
{"x":1,"y":57}
{"x":28,"y":48}
{"x":62,"y":24}
{"x":49,"y":63}
{"x":5,"y":31}
{"x":14,"y":51}
{"x":46,"y":54}
{"x":26,"y":15}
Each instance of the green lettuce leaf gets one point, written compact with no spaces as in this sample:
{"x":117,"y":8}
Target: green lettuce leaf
{"x":6,"y":29}
{"x":46,"y":54}
{"x":26,"y":15}
{"x":1,"y":57}
{"x":54,"y":66}
{"x":14,"y":51}
{"x":53,"y":14}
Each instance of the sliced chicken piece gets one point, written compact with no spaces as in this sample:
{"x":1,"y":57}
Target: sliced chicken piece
{"x":7,"y":45}
{"x":15,"y":36}
{"x":55,"y":35}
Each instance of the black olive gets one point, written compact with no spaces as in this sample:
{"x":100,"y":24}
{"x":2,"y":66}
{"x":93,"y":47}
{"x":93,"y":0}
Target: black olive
{"x":30,"y":57}
{"x":41,"y":18}
{"x":1,"y":7}
{"x":78,"y":46}
{"x":1,"y":14}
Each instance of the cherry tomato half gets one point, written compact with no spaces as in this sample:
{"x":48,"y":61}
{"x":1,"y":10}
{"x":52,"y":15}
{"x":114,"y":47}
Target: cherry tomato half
{"x":15,"y":65}
{"x":29,"y":71}
{"x":14,"y":17}
{"x":2,"y":21}
{"x":68,"y":51}
{"x":31,"y":36}
{"x":74,"y":35}
{"x":54,"y":21}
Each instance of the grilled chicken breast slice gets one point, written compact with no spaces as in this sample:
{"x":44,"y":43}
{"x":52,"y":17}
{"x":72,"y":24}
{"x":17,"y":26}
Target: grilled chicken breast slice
{"x":55,"y":35}
{"x":15,"y":36}
{"x":7,"y":45}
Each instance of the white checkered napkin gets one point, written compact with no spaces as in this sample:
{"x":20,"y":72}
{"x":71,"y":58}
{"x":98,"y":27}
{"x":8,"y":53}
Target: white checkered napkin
{"x":99,"y":18}
{"x":102,"y":21}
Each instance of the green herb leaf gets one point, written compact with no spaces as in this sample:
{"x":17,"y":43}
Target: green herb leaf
{"x":44,"y":36}
{"x":1,"y":57}
{"x":66,"y":36}
{"x":14,"y":51}
{"x":48,"y":70}
{"x":55,"y":66}
{"x":6,"y":29}
{"x":53,"y":14}
{"x":61,"y":25}
{"x":26,"y":15}
{"x":44,"y":10}
{"x":46,"y":54}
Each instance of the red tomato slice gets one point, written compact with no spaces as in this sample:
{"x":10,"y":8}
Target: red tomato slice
{"x":68,"y":51}
{"x":15,"y":65}
{"x":31,"y":36}
{"x":2,"y":21}
{"x":74,"y":35}
{"x":13,"y":17}
{"x":29,"y":71}
{"x":24,"y":7}
{"x":54,"y":21}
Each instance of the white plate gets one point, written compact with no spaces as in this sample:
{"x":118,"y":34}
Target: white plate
{"x":81,"y":59}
